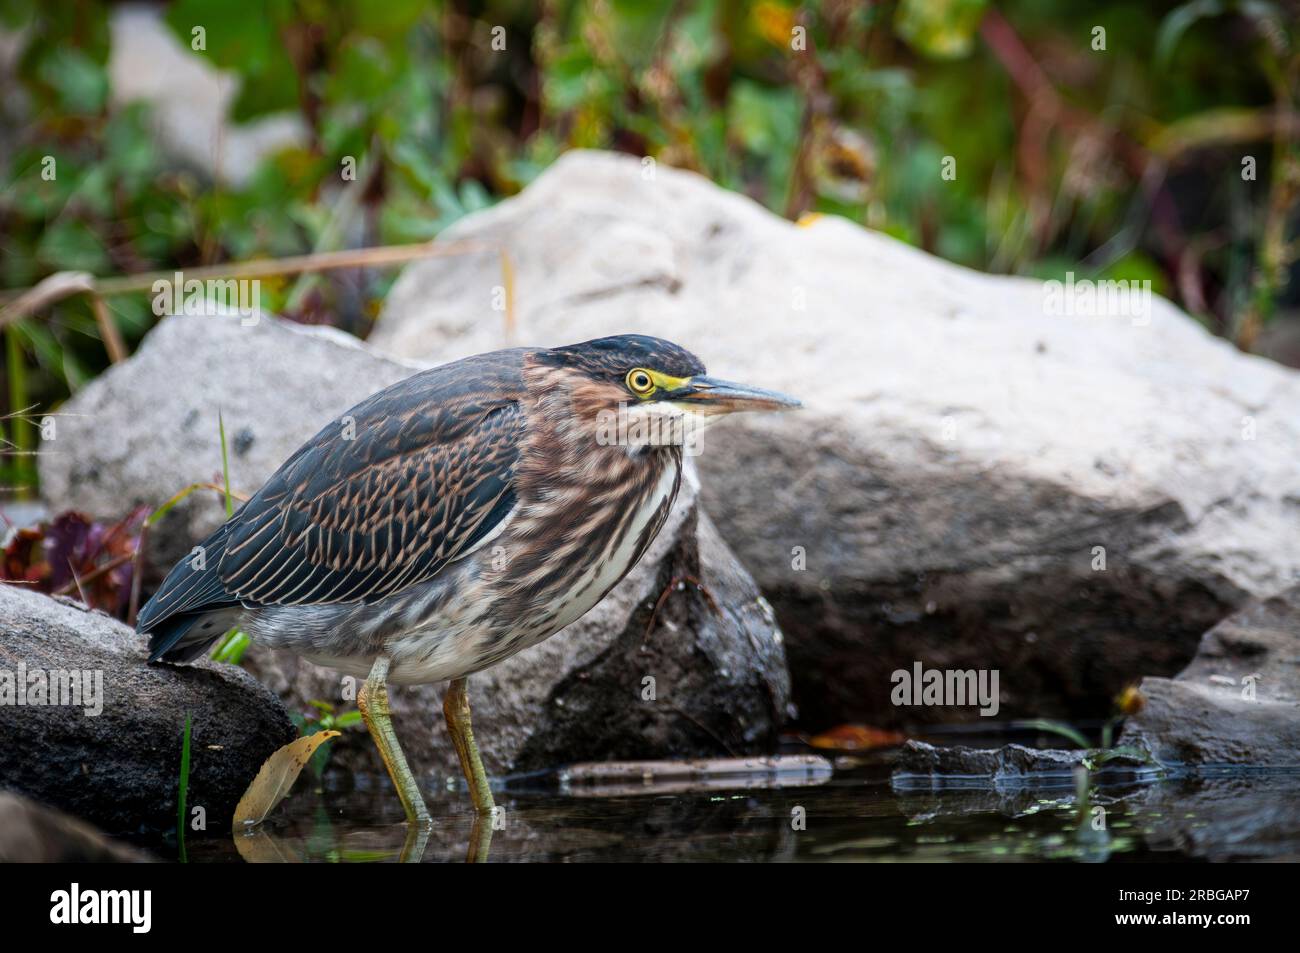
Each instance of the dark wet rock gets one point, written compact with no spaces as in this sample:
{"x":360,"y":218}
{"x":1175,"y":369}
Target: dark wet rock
{"x":922,"y":760}
{"x":31,"y":833}
{"x":961,"y":454}
{"x":1238,"y":702}
{"x":119,"y":768}
{"x":716,"y":660}
{"x":920,"y":764}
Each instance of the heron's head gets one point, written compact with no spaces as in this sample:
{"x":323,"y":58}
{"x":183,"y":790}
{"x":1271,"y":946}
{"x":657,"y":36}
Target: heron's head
{"x":649,"y":378}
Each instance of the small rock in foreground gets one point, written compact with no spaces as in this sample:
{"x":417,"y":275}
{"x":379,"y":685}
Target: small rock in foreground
{"x":112,"y":756}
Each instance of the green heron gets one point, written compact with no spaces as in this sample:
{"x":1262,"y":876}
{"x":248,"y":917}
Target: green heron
{"x":450,"y":521}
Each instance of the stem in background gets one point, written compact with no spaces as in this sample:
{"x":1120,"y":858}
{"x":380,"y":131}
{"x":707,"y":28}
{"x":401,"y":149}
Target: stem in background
{"x":137,"y":571}
{"x":508,"y":283}
{"x":1284,"y":188}
{"x":20,"y":428}
{"x":332,"y":235}
{"x":225,"y":466}
{"x":20,"y":302}
{"x":77,"y":582}
{"x":108,"y":332}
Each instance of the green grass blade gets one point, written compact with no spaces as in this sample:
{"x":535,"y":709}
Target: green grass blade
{"x":20,"y":428}
{"x":1055,"y":727}
{"x":184,"y":790}
{"x":232,"y":647}
{"x":225,"y":467}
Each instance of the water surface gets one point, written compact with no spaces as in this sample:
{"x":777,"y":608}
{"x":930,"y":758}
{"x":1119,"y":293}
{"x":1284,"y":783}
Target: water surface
{"x":858,"y":814}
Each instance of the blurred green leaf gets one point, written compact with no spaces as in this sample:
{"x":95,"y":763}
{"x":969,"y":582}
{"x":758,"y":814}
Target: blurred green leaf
{"x":1178,"y":21}
{"x":72,"y":246}
{"x":245,"y":37}
{"x":764,"y":119}
{"x":943,"y":29}
{"x":80,"y":82}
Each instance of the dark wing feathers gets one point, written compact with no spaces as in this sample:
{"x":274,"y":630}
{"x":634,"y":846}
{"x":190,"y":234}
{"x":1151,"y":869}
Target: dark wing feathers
{"x":379,"y":500}
{"x":378,"y":523}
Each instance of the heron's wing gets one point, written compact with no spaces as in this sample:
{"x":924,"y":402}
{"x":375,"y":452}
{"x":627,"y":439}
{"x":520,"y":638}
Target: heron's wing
{"x":383,"y":498}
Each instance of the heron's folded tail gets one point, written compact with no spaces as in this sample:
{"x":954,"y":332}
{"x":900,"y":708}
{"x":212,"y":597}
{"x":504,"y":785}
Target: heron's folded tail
{"x":191,"y":609}
{"x":185,"y":637}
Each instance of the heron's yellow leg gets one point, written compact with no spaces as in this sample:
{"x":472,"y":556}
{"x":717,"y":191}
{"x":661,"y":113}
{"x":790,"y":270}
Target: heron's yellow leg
{"x":373,"y":702}
{"x":455,"y":705}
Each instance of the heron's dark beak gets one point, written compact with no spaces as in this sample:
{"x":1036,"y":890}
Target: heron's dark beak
{"x":709,"y":395}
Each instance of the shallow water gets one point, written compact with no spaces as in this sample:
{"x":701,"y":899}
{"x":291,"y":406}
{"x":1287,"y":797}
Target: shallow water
{"x":856,"y":815}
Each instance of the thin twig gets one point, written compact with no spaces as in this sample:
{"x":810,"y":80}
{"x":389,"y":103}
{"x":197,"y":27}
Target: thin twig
{"x":18,"y":303}
{"x":80,"y":592}
{"x":108,"y":330}
{"x":137,"y":572}
{"x":66,"y":589}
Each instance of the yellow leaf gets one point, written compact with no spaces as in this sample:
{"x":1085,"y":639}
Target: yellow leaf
{"x":1130,"y":700}
{"x":275,"y":779}
{"x":774,"y":22}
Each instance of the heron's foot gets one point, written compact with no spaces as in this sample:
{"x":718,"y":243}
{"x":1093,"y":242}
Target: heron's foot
{"x":373,"y":702}
{"x":455,"y":706}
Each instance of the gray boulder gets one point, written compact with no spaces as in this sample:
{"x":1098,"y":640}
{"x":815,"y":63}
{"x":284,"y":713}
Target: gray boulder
{"x":113,"y":758}
{"x":965,"y":448}
{"x":148,"y":427}
{"x":1239,"y":700}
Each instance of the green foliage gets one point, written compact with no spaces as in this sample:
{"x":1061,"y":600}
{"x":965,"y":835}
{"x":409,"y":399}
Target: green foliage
{"x":232,"y":647}
{"x":826,"y":107}
{"x":939,"y":28}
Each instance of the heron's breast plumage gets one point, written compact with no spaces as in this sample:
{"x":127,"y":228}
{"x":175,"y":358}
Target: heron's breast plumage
{"x":551,"y":564}
{"x":585,"y":513}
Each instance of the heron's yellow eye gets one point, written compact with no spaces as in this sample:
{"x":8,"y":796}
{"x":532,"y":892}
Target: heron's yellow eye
{"x":639,"y":382}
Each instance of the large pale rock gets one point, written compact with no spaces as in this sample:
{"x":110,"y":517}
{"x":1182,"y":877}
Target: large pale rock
{"x":148,"y":427}
{"x":963,"y":453}
{"x":114,"y":759}
{"x":1239,"y":700}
